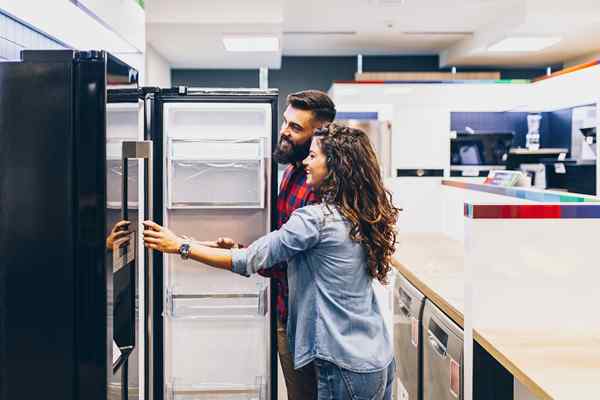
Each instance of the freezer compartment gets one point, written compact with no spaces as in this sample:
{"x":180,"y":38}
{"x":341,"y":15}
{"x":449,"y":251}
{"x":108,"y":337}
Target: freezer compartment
{"x":217,"y":120}
{"x":123,"y":121}
{"x":408,"y":307}
{"x":216,"y":174}
{"x":251,"y":391}
{"x":442,"y":356}
{"x":219,"y":305}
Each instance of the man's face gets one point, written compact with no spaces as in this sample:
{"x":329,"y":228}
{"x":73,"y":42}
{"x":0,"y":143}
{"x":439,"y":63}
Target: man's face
{"x":296,"y":133}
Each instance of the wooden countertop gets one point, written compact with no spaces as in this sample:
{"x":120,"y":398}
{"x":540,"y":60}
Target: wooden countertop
{"x":434,"y":264}
{"x":552,"y":365}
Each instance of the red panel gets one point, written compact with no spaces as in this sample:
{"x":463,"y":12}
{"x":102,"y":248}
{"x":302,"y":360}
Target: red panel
{"x":516,"y":211}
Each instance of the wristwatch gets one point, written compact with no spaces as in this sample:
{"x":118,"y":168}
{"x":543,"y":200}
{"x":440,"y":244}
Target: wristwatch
{"x":184,"y":251}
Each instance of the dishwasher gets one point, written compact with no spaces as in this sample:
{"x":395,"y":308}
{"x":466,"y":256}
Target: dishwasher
{"x":442,"y":356}
{"x":408,"y":306}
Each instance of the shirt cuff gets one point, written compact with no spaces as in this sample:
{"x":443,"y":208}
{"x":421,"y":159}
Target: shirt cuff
{"x":238,"y":261}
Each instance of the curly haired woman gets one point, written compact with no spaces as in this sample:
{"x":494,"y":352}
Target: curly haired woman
{"x":334,"y":250}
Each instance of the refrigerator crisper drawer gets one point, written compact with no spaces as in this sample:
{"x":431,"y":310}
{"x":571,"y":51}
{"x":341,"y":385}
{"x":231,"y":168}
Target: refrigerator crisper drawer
{"x":251,"y":391}
{"x":216,"y":174}
{"x":408,"y":306}
{"x":442,"y":356}
{"x":214,"y":355}
{"x":217,"y":120}
{"x":218,"y":305}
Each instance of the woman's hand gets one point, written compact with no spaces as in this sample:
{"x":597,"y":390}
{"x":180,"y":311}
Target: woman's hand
{"x":160,"y":238}
{"x":119,"y":231}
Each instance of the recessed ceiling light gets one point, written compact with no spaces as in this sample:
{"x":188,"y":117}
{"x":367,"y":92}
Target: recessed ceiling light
{"x":251,"y":43}
{"x":524,"y":43}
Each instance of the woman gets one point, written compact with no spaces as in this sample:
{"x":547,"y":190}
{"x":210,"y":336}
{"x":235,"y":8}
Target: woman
{"x":334,"y":250}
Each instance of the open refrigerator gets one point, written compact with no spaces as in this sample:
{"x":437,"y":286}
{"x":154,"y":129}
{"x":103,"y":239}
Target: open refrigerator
{"x":213,"y":151}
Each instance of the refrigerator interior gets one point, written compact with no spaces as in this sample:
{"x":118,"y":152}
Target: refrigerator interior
{"x":216,"y":183}
{"x":123,"y":123}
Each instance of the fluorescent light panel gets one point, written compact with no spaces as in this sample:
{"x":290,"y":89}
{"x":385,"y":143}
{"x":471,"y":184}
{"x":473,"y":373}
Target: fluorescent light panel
{"x":251,"y":43}
{"x":524,"y":43}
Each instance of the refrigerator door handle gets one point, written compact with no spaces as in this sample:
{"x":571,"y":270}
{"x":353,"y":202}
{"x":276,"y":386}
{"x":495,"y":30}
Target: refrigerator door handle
{"x":439,"y":348}
{"x":143,"y":150}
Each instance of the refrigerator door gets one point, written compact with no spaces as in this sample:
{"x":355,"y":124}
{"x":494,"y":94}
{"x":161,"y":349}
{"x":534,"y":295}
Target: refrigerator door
{"x":218,"y":183}
{"x":56,"y":284}
{"x":128,"y":194}
{"x":442,"y":356}
{"x":408,"y":307}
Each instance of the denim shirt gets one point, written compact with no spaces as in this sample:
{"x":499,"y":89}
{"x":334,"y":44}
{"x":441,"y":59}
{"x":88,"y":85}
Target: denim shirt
{"x":333,"y":313}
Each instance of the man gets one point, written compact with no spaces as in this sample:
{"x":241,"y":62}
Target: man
{"x":306,"y":111}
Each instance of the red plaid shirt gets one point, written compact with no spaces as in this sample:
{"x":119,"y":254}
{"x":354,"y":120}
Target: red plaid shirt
{"x":293,"y":193}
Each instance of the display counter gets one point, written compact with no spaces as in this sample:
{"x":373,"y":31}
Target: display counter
{"x":517,"y":269}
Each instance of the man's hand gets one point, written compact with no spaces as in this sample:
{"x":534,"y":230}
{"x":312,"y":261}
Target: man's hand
{"x":118,"y":232}
{"x":226,"y":243}
{"x":160,"y":238}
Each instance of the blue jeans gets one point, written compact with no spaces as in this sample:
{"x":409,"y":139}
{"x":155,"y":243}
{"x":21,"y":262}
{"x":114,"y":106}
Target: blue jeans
{"x":335,"y":383}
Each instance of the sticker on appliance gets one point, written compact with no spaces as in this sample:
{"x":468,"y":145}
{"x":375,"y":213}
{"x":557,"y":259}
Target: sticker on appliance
{"x":454,"y":378}
{"x":414,"y":331}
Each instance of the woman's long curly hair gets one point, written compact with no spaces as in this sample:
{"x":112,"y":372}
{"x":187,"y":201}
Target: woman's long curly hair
{"x":355,"y":186}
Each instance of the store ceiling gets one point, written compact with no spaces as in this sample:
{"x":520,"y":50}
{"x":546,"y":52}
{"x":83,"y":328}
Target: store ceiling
{"x":188,"y":33}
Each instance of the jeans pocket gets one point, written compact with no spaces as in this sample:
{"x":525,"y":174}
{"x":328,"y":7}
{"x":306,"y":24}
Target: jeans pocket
{"x":364,"y":386}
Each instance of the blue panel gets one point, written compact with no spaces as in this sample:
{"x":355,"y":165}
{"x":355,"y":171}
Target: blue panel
{"x":357,"y":115}
{"x":559,"y":132}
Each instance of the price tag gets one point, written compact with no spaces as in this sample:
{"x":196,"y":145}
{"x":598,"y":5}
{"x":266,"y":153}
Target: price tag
{"x":562,"y":156}
{"x":470,"y":172}
{"x":414,"y":331}
{"x":589,"y":140}
{"x":454,"y":378}
{"x":559,"y":168}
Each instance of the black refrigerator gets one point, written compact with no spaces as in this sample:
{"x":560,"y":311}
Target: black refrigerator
{"x":73,"y":163}
{"x":83,"y":147}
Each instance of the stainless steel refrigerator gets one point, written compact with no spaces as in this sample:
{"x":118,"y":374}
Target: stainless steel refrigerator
{"x":213,"y":154}
{"x":72,"y":163}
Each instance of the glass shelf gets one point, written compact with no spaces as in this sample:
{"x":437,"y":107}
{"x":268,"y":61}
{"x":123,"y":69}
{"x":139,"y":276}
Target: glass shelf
{"x":216,"y":174}
{"x":221,"y":305}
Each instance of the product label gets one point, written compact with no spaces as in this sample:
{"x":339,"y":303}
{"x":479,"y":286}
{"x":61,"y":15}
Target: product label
{"x":414,"y":331}
{"x":559,"y":168}
{"x":454,"y":378}
{"x":123,"y":251}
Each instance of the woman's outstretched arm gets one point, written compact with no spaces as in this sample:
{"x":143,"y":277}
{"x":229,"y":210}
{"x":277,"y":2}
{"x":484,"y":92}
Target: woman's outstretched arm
{"x":162,"y":239}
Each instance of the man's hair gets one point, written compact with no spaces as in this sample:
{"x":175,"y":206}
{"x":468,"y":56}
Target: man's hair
{"x":316,"y":101}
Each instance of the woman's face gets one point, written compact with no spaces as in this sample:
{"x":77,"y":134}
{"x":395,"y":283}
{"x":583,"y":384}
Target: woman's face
{"x":315,"y":164}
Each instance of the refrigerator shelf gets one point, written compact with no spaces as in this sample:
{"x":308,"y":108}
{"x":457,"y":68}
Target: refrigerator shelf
{"x":216,"y":184}
{"x":249,"y":305}
{"x":222,"y":120}
{"x":116,"y":205}
{"x":217,"y":391}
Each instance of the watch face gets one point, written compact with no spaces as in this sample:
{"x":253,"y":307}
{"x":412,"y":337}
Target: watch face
{"x":184,"y":250}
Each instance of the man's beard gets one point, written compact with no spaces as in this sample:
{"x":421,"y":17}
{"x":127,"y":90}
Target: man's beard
{"x":292,"y":154}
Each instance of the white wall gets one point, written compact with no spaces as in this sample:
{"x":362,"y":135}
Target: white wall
{"x":421,"y":126}
{"x":158,"y":70}
{"x":121,"y":30}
